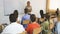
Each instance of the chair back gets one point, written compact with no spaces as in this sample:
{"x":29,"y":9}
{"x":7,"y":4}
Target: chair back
{"x":37,"y":30}
{"x":24,"y":32}
{"x":26,"y":21}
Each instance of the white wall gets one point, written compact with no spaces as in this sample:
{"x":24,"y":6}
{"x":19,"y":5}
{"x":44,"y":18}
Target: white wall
{"x":11,"y":5}
{"x":36,"y":6}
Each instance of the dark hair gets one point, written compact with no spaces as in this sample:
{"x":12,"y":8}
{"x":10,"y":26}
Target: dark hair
{"x":57,"y":11}
{"x":28,"y":1}
{"x":16,"y":13}
{"x":26,"y":10}
{"x":33,"y":17}
{"x":12,"y":18}
{"x":41,"y":13}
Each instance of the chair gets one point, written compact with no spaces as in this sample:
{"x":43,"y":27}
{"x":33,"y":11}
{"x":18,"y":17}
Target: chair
{"x":36,"y":19}
{"x":26,"y":22}
{"x":1,"y":28}
{"x":24,"y":32}
{"x":41,"y":19}
{"x":37,"y":30}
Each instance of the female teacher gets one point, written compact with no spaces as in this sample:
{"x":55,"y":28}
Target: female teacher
{"x":28,"y":7}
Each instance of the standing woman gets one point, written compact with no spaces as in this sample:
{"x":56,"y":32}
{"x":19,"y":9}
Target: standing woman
{"x":28,"y":7}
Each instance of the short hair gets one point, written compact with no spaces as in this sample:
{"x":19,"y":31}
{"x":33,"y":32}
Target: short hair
{"x":41,"y":13}
{"x":26,"y":10}
{"x":32,"y":17}
{"x":12,"y":18}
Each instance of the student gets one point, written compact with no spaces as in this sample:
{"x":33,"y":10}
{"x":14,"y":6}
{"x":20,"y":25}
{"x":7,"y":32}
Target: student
{"x":45,"y":25}
{"x":32,"y":25}
{"x":25,"y":17}
{"x":41,"y":20}
{"x":15,"y":27}
{"x":28,"y":7}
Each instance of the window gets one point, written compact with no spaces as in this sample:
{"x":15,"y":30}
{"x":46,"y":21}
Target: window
{"x":52,"y":5}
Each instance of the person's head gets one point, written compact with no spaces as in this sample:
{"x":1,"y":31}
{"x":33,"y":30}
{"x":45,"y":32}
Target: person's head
{"x":25,"y":10}
{"x":12,"y":18}
{"x":41,"y":11}
{"x":57,"y":9}
{"x":32,"y":18}
{"x":28,"y":3}
{"x":15,"y":12}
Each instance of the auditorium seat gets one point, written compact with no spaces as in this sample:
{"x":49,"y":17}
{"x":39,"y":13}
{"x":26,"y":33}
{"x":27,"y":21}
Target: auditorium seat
{"x":24,"y":32}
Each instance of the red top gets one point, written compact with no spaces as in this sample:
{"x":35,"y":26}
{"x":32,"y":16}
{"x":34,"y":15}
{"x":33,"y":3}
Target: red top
{"x":32,"y":26}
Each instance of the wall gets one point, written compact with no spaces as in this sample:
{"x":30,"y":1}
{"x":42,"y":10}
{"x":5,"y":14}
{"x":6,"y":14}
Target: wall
{"x":36,"y":6}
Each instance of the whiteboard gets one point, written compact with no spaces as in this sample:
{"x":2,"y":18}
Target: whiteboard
{"x":11,"y":5}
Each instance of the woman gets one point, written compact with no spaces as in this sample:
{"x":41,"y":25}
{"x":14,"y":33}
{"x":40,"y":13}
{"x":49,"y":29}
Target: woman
{"x":28,"y":7}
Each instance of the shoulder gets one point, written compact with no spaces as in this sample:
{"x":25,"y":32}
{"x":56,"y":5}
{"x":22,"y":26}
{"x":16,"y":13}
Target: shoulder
{"x":7,"y":28}
{"x":29,"y":25}
{"x":38,"y":24}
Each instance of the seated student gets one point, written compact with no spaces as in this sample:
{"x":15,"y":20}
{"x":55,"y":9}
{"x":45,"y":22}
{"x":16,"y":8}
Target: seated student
{"x":15,"y":27}
{"x":32,"y":25}
{"x":45,"y":25}
{"x":25,"y":17}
